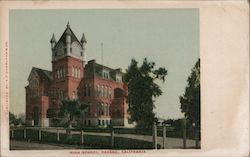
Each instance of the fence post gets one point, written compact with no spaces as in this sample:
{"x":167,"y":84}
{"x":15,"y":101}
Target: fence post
{"x":57,"y":135}
{"x":196,"y":138}
{"x":112,"y":137}
{"x":154,"y":136}
{"x":164,"y":135}
{"x":24,"y":133}
{"x":39,"y":134}
{"x":12,"y":133}
{"x":82,"y":139}
{"x":184,"y":131}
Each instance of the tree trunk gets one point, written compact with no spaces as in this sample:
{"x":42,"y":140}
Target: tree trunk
{"x":68,"y":130}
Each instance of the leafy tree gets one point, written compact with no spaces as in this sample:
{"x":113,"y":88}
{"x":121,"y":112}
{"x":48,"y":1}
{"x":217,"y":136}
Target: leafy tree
{"x":13,"y":119}
{"x":142,"y":90}
{"x":190,"y":101}
{"x":51,"y":113}
{"x":71,"y":109}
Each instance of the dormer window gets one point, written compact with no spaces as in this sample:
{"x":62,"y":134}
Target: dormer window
{"x":118,"y":78}
{"x":105,"y":74}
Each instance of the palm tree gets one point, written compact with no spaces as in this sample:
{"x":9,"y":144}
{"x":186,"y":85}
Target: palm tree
{"x":71,"y":109}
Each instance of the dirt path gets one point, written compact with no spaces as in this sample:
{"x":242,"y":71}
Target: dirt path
{"x":24,"y":145}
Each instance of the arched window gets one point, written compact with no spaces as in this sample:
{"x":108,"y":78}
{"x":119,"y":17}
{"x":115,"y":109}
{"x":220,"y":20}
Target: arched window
{"x":107,"y":109}
{"x":97,"y":90}
{"x":58,"y":74}
{"x":104,"y":94}
{"x":79,"y":73}
{"x":107,"y":91}
{"x":110,"y":92}
{"x":73,"y":71}
{"x":89,"y":90}
{"x":63,"y":71}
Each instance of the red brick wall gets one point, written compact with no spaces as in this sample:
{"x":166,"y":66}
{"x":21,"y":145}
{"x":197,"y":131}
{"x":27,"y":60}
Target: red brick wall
{"x":36,"y":100}
{"x":44,"y":101}
{"x":120,"y":104}
{"x":69,"y":83}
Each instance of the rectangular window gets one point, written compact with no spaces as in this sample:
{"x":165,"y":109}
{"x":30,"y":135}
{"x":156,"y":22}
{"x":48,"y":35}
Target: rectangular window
{"x":110,"y":92}
{"x":105,"y":74}
{"x":89,"y":109}
{"x":107,"y":91}
{"x":89,"y":90}
{"x":103,"y":123}
{"x":98,"y":91}
{"x":98,"y":109}
{"x":102,"y":92}
{"x":102,"y":109}
{"x":99,"y":122}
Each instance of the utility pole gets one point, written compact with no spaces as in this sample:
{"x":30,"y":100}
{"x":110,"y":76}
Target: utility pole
{"x":102,"y":52}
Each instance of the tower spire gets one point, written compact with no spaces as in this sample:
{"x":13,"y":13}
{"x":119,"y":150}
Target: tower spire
{"x":53,"y":39}
{"x":83,"y":39}
{"x":68,"y":26}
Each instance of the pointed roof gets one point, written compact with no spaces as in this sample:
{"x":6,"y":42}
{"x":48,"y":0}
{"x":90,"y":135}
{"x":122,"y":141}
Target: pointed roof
{"x":44,"y":75}
{"x":53,"y":39}
{"x":83,"y":40}
{"x":68,"y":31}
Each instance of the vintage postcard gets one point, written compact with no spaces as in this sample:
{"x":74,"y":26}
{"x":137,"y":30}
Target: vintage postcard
{"x":124,"y":78}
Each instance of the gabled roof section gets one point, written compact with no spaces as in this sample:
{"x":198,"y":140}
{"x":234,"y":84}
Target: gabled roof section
{"x":68,"y":31}
{"x":44,"y":75}
{"x":93,"y":68}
